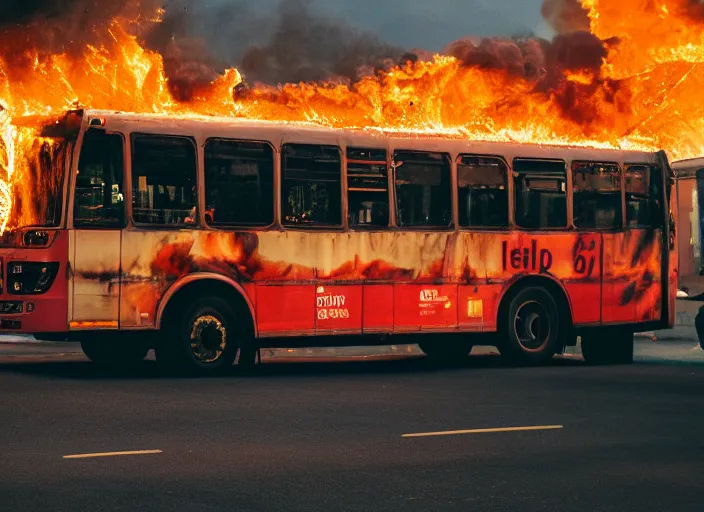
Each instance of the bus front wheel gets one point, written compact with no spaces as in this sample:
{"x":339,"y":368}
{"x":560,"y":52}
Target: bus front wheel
{"x":530,"y":327}
{"x":607,"y":346}
{"x":202,"y":337}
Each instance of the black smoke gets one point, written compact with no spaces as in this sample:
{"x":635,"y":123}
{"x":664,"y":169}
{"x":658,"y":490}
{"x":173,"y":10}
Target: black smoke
{"x":565,"y":15}
{"x":199,"y":41}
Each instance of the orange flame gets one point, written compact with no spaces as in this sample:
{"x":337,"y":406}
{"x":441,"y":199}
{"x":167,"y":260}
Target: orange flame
{"x":646,"y":95}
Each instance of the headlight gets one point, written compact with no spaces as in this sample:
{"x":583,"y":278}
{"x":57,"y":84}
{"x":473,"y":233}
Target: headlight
{"x":30,"y":278}
{"x":36,"y":238}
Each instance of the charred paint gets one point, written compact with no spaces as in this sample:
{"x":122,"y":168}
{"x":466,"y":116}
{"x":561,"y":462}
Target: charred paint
{"x":459,"y":262}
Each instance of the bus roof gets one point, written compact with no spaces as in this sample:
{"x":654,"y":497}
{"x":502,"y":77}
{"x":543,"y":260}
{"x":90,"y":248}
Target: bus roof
{"x":280,"y":132}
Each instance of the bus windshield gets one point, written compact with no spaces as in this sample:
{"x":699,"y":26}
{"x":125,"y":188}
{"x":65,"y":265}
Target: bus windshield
{"x":38,"y":193}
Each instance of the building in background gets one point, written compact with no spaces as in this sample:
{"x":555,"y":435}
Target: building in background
{"x":689,"y":190}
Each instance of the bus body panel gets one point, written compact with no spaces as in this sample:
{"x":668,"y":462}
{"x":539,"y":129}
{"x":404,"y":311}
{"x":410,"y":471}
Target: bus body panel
{"x":455,"y":283}
{"x":632,"y":276}
{"x":291,"y":297}
{"x":425,"y":307}
{"x":285,"y":309}
{"x":96,"y":278}
{"x":377,"y":308}
{"x":338,"y":309}
{"x":45,"y":312}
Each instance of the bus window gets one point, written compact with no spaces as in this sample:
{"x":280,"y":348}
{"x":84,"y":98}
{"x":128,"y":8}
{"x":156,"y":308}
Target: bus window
{"x":367,"y":188}
{"x":643,"y":197}
{"x":482,"y":192}
{"x":312,"y":185}
{"x":163,"y":180}
{"x":99,"y":201}
{"x":423,"y":189}
{"x":596,"y":195}
{"x":239,"y":183}
{"x":540,"y":193}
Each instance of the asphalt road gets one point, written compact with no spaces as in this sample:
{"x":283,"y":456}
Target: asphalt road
{"x":327,"y":436}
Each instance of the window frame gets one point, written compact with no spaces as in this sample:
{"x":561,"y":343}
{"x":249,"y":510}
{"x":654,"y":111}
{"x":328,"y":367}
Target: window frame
{"x":568,"y":197}
{"x":390,"y":196}
{"x":452,"y":176}
{"x":282,"y":182}
{"x":127,"y":195}
{"x":274,"y":184}
{"x":509,"y":193}
{"x":662,"y":219}
{"x":621,"y":170}
{"x":162,"y":227}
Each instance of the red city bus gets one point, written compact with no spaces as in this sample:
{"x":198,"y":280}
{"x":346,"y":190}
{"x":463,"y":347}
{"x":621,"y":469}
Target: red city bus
{"x":209,"y":238}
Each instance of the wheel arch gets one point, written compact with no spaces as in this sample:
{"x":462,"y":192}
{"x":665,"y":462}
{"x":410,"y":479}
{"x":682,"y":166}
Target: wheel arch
{"x":203,"y":283}
{"x":548,"y":282}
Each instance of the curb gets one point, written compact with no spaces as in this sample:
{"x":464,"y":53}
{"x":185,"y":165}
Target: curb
{"x":19,"y":340}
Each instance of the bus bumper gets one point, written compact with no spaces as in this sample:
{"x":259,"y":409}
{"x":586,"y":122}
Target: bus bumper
{"x":32,"y":315}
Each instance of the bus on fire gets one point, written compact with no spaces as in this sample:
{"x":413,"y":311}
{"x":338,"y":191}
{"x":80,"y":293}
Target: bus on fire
{"x":206,"y":239}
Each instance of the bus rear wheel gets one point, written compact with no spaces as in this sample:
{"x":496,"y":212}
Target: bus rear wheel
{"x":607,"y":347}
{"x":531,"y":327}
{"x":114,"y":352}
{"x":446,"y":351}
{"x":201,"y":338}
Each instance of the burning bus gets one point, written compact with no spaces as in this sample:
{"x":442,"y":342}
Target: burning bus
{"x":207,"y":238}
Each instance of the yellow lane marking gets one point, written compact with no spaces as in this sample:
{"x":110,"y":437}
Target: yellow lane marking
{"x":484,"y":431}
{"x":111,"y":454}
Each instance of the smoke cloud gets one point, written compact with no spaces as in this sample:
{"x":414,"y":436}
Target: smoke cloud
{"x":545,"y":64}
{"x":198,"y":43}
{"x":565,"y":15}
{"x":304,"y":47}
{"x":695,"y":9}
{"x":294,"y":44}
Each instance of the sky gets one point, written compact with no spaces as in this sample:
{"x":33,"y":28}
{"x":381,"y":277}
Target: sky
{"x":426,"y":24}
{"x":432,"y":24}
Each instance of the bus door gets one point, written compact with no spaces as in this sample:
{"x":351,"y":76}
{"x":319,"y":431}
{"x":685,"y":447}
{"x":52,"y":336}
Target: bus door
{"x":635,"y":258}
{"x":597,"y":206}
{"x":96,"y":237}
{"x":427,"y":300}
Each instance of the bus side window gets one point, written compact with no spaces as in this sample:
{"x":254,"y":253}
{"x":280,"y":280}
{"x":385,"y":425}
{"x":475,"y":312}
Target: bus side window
{"x":98,"y":200}
{"x":540,"y":193}
{"x":423,"y":189}
{"x":239,"y":183}
{"x":312,"y":185}
{"x":163,"y":180}
{"x":596,"y":195}
{"x":482,"y":192}
{"x":643,"y":197}
{"x":367,"y":188}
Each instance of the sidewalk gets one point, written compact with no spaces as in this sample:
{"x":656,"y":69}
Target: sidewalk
{"x":684,"y":324}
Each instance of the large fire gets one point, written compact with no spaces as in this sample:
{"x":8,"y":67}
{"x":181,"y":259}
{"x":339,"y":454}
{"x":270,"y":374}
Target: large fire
{"x":642,"y":87}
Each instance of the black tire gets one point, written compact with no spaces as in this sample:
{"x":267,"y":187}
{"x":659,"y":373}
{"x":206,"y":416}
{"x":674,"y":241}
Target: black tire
{"x":530,"y":329}
{"x":114,"y":352}
{"x":446,"y":352}
{"x":607,"y":347}
{"x":202,"y":337}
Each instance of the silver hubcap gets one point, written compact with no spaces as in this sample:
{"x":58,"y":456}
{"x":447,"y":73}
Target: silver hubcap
{"x":532,"y":326}
{"x":208,"y":339}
